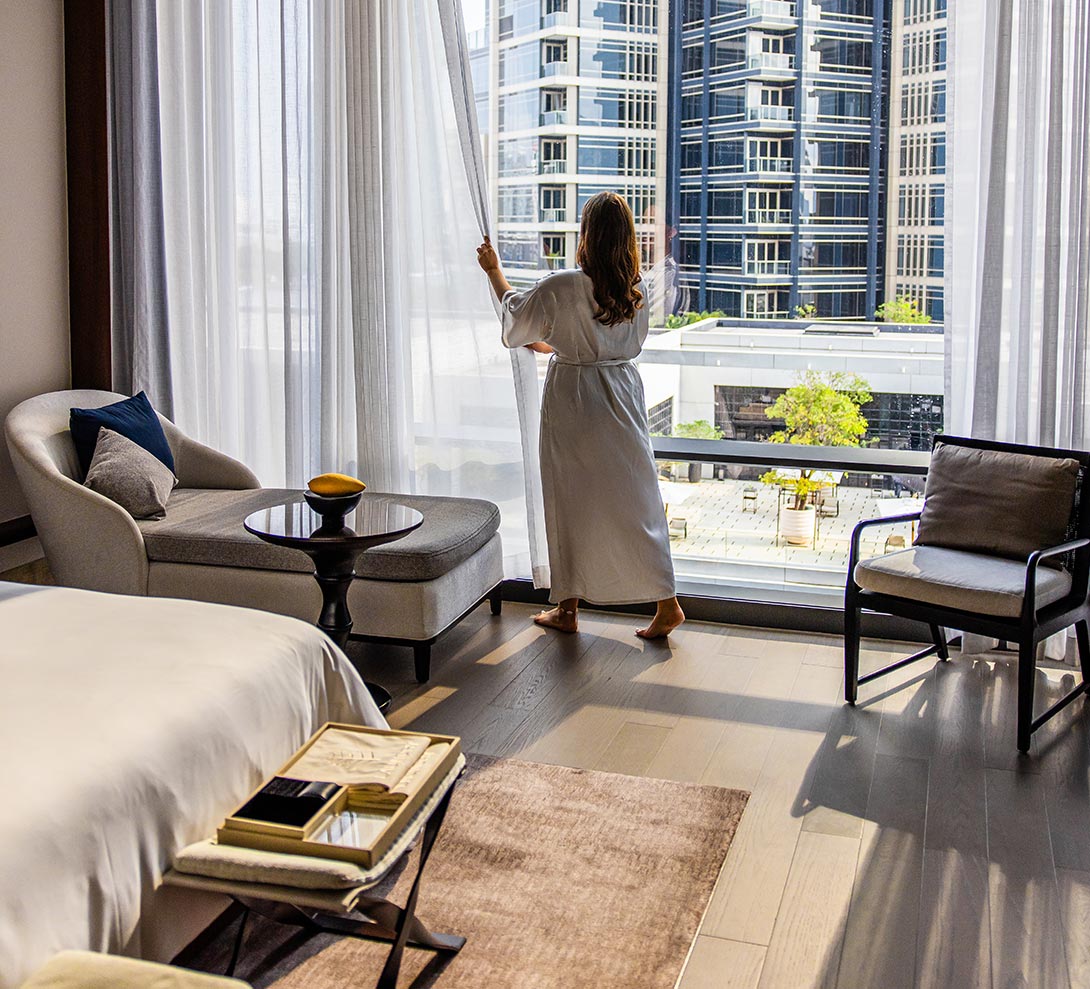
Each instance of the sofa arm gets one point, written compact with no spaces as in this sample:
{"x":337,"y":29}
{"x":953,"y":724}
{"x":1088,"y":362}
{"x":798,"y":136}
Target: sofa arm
{"x":199,"y":466}
{"x":89,"y":541}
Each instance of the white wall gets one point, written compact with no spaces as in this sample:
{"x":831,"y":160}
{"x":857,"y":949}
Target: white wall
{"x":33,"y":223}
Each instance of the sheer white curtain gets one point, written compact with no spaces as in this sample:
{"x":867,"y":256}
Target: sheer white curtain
{"x":436,"y":401}
{"x":325,"y":307}
{"x":524,"y":363}
{"x":1018,"y":224}
{"x":1018,"y":221}
{"x":255,"y":215}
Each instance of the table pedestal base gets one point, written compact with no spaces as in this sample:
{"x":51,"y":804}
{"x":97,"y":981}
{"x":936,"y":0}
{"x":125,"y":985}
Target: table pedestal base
{"x":335,"y":619}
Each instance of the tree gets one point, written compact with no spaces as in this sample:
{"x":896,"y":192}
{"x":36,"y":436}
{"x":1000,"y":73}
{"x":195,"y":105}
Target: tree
{"x":903,"y":309}
{"x":701,"y":429}
{"x":821,"y":409}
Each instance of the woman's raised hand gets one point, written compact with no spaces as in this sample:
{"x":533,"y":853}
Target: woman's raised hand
{"x":486,"y":257}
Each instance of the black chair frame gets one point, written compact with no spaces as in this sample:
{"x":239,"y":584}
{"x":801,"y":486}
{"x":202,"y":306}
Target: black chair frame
{"x":1028,"y":630}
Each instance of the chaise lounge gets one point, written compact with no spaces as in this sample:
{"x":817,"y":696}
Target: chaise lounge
{"x":407,"y":593}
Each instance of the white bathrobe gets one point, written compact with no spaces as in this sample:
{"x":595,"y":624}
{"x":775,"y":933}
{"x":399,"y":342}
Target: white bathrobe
{"x":604,"y":519}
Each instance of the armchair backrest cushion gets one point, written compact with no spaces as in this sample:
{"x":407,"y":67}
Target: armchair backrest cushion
{"x":996,"y":502}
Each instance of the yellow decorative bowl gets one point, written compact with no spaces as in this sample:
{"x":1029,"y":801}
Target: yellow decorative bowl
{"x":335,"y":485}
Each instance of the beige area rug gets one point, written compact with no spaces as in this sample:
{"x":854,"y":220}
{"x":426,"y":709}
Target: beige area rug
{"x":558,"y":878}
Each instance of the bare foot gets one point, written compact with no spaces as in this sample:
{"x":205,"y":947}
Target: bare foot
{"x":667,"y":618}
{"x":562,"y":619}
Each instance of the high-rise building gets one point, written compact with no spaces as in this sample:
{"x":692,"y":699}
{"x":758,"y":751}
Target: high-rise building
{"x":578,"y":101}
{"x":480,"y":66}
{"x":778,"y":155}
{"x":917,"y":166}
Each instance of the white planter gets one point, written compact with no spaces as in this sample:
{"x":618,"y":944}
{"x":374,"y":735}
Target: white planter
{"x":797,"y":525}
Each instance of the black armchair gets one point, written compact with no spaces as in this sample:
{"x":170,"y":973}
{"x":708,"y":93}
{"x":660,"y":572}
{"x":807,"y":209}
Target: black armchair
{"x":1003,"y":551}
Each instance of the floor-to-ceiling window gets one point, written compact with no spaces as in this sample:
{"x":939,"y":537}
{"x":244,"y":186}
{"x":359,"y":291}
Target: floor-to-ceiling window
{"x":787,"y":161}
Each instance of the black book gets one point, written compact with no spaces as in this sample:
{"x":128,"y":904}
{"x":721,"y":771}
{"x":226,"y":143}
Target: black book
{"x":286,"y":801}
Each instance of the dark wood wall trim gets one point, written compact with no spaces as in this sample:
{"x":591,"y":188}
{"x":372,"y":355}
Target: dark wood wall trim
{"x":88,"y":192}
{"x":16,"y":530}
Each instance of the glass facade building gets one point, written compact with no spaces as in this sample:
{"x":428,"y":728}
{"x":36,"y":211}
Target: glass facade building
{"x":779,"y":145}
{"x":915,"y":253}
{"x":578,"y":101}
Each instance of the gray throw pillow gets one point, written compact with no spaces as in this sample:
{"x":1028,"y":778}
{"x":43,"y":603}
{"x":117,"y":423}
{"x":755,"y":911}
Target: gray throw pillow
{"x":126,"y":473}
{"x":995,"y":502}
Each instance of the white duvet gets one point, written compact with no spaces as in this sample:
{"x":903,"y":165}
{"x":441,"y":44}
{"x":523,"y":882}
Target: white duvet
{"x":129,"y":727}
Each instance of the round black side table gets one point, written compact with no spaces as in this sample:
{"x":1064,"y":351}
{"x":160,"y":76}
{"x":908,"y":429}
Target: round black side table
{"x":334,"y":549}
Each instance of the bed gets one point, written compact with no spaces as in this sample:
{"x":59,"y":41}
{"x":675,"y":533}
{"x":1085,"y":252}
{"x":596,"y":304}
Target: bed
{"x":129,"y":727}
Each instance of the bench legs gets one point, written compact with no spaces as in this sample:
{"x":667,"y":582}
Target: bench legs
{"x":382,"y":920}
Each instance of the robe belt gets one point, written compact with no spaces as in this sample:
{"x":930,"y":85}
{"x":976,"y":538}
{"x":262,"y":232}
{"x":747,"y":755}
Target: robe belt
{"x":611,"y":363}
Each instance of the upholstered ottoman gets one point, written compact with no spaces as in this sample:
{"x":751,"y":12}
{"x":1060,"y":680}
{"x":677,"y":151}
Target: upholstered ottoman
{"x":90,"y":970}
{"x":408,"y":592}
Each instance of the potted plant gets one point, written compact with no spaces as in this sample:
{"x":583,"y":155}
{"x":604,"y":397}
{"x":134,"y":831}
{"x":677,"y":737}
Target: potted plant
{"x":700,"y":429}
{"x":820,"y":409}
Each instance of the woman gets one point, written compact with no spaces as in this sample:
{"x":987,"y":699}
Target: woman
{"x":604,"y":519}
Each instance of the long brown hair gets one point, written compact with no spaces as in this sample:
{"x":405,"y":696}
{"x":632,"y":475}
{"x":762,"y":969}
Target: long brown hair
{"x":608,"y":254}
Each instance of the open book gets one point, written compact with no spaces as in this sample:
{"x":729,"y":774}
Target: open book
{"x":362,"y":761}
{"x":408,"y":784}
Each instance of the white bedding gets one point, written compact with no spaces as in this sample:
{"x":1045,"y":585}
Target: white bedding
{"x":129,"y":727}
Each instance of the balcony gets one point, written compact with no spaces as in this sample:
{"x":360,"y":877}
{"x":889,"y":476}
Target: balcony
{"x":769,"y":216}
{"x":563,"y":68}
{"x":560,"y":18}
{"x":555,"y":167}
{"x":776,"y":165}
{"x":554,"y":118}
{"x":731,"y":530}
{"x":775,"y":10}
{"x":774,"y":61}
{"x":783,"y":114}
{"x":554,"y":215}
{"x":768,"y":267}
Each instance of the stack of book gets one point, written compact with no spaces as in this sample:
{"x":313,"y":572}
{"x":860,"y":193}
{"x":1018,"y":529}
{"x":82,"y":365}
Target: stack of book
{"x":346,"y":794}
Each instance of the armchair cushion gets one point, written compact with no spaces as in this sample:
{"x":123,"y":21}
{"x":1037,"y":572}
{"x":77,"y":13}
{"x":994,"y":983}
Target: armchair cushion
{"x":951,"y":578}
{"x":127,"y":474}
{"x":133,"y":418}
{"x":996,"y":502}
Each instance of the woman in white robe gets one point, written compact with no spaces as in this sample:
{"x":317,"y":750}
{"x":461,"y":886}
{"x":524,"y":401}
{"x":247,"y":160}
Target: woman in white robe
{"x":605,"y":525}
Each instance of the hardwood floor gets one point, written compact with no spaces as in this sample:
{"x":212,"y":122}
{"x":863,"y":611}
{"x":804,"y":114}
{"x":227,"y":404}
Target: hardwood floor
{"x":900,"y":843}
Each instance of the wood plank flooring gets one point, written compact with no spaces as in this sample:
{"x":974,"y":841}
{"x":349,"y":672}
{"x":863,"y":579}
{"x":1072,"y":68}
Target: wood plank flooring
{"x":901,"y":843}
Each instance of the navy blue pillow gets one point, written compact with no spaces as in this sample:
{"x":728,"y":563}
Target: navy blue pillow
{"x":133,"y":418}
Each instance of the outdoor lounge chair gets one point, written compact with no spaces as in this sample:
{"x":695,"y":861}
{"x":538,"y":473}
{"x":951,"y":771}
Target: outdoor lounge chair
{"x":1002,"y":550}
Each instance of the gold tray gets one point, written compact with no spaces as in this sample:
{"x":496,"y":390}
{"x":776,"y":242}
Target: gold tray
{"x":345,"y":828}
